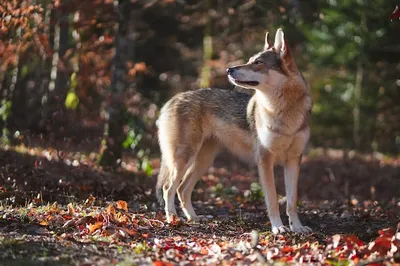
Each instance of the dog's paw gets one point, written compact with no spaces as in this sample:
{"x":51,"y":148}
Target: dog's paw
{"x":172,"y":218}
{"x":279,"y":229}
{"x":301,"y":229}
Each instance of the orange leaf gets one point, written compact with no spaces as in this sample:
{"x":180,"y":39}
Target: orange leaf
{"x":121,"y":204}
{"x":93,"y":227}
{"x":111,"y":209}
{"x":204,"y":251}
{"x":44,"y":223}
{"x":89,"y":201}
{"x":71,"y":210}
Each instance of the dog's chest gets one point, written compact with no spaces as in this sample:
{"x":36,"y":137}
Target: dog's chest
{"x":282,"y":146}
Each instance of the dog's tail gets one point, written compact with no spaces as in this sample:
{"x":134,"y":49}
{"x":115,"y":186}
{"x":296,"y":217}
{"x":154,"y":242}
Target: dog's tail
{"x":161,"y":181}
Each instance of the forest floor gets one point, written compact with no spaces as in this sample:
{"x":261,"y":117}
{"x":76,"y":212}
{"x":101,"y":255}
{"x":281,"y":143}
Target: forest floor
{"x":59,"y":208}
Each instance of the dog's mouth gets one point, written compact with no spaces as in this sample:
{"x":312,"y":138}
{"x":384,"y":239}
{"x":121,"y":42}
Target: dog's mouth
{"x":243,"y":82}
{"x":250,"y":83}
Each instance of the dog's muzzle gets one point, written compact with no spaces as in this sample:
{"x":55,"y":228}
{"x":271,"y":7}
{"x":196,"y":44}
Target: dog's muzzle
{"x":236,"y":78}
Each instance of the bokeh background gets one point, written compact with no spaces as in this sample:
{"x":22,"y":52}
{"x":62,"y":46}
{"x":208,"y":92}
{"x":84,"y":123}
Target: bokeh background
{"x":89,"y":77}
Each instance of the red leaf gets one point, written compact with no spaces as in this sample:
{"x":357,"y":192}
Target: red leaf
{"x":287,"y":249}
{"x":396,"y":13}
{"x":382,"y":245}
{"x":354,"y":240}
{"x":161,"y":263}
{"x":388,"y":232}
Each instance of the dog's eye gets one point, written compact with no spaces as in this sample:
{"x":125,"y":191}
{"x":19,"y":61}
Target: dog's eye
{"x":257,"y":62}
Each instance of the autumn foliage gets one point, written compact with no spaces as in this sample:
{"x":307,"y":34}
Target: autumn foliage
{"x":79,"y":76}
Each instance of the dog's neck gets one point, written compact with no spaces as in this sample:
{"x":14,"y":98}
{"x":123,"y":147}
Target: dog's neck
{"x":279,"y":98}
{"x":284,"y":109}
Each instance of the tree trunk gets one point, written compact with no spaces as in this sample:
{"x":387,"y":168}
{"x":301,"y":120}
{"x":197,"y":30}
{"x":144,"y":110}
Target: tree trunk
{"x":359,"y":80}
{"x":57,"y":89}
{"x":111,"y":147}
{"x":9,"y":94}
{"x":356,"y":109}
{"x":205,"y":75}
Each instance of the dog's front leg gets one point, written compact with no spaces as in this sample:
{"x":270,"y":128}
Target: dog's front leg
{"x":292,"y":167}
{"x":266,"y":172}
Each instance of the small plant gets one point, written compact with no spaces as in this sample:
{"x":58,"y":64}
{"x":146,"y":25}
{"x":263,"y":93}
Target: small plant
{"x":5,"y":112}
{"x":133,"y":141}
{"x":255,"y":193}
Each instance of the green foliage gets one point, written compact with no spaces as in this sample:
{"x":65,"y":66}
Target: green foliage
{"x":5,"y":112}
{"x":72,"y":99}
{"x":5,"y":109}
{"x":133,"y":141}
{"x":254,"y":193}
{"x":345,"y":34}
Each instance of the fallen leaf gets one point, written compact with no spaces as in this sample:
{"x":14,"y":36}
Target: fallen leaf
{"x":93,"y":227}
{"x":121,"y":204}
{"x":89,"y":201}
{"x":395,"y":13}
{"x":44,"y":223}
{"x":110,"y":209}
{"x":162,"y":263}
{"x":71,"y":210}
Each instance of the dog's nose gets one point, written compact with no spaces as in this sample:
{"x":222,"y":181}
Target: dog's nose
{"x":229,"y":71}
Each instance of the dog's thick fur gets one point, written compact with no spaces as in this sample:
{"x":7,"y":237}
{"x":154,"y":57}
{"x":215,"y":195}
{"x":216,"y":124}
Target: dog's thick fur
{"x":269,"y":127}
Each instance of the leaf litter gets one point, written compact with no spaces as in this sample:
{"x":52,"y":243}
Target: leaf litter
{"x":99,"y":229}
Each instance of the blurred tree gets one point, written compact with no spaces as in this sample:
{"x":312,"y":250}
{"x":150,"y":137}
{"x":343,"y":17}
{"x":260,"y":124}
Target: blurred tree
{"x":341,"y":46}
{"x":61,"y":51}
{"x":115,"y":113}
{"x":58,"y":82}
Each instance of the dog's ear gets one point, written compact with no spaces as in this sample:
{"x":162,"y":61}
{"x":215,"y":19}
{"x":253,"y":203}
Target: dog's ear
{"x":268,"y":43}
{"x":282,"y":48}
{"x":280,"y":44}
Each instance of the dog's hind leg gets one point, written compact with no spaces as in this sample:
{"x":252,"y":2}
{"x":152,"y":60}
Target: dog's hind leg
{"x":202,"y":162}
{"x":183,"y":159}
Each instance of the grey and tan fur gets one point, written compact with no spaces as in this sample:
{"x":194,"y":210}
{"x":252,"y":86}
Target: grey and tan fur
{"x":272,"y":126}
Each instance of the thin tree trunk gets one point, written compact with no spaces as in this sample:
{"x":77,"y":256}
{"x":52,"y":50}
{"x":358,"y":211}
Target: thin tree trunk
{"x":61,"y":88}
{"x":51,"y":32}
{"x":57,"y":89}
{"x":358,"y":82}
{"x":205,"y":75}
{"x":56,"y":58}
{"x":10,"y":92}
{"x":356,"y":110}
{"x":111,"y":148}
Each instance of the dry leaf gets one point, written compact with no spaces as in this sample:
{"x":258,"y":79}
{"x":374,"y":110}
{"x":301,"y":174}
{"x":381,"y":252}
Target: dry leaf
{"x":121,"y":204}
{"x":93,"y":227}
{"x":71,"y":210}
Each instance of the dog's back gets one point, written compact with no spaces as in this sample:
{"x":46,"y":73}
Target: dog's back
{"x":213,"y":116}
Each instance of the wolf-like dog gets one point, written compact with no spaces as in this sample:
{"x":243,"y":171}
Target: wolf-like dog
{"x":272,"y":126}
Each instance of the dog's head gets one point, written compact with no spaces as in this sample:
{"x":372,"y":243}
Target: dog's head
{"x":267,"y":69}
